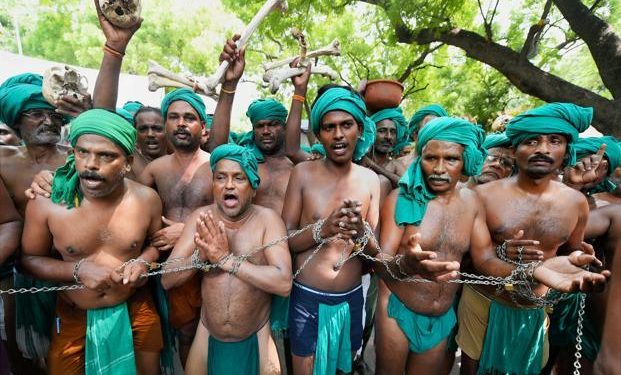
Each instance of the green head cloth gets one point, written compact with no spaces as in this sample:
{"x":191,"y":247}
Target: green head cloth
{"x":247,"y":140}
{"x":318,"y":148}
{"x":413,"y":192}
{"x":21,"y":93}
{"x":132,"y":107}
{"x":127,"y":115}
{"x":553,"y":118}
{"x":496,"y":140}
{"x":266,"y":109}
{"x":342,"y":99}
{"x":209,"y":120}
{"x":241,"y":155}
{"x":432,"y":109}
{"x":589,"y":146}
{"x":187,"y":96}
{"x":396,"y":115}
{"x":66,"y":185}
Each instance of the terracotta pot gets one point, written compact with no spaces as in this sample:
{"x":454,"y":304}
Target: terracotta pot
{"x":382,"y":93}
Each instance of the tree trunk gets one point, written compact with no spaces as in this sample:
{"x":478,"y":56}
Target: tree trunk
{"x":604,"y":44}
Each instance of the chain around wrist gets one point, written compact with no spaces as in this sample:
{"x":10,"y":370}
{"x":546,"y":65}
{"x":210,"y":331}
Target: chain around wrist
{"x":76,"y":271}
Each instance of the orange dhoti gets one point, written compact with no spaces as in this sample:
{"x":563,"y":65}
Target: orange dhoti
{"x":184,"y":302}
{"x":66,"y":355}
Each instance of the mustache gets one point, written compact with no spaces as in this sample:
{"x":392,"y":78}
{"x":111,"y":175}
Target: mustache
{"x":181,"y":131}
{"x":91,"y":175}
{"x":46,"y":128}
{"x":443,"y":176}
{"x":541,"y":158}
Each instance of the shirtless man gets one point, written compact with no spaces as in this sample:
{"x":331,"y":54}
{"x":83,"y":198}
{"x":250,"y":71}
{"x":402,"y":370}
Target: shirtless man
{"x":345,"y":194}
{"x":267,"y":138}
{"x":391,"y":129}
{"x":234,"y":335}
{"x":151,"y":141}
{"x":8,"y":137}
{"x":97,"y":220}
{"x":183,"y":182}
{"x":499,"y":161}
{"x":535,"y":205}
{"x":413,"y":326}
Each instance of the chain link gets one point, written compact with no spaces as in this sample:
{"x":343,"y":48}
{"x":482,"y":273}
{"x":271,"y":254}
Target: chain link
{"x":578,"y":353}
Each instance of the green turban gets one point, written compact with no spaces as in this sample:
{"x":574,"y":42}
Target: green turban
{"x":396,"y":115}
{"x":241,"y":155}
{"x":21,"y":93}
{"x":266,"y":109}
{"x":413,"y":192}
{"x":132,"y":107}
{"x":187,"y":96}
{"x":589,"y":146}
{"x":318,"y":148}
{"x":66,"y":185}
{"x":553,"y":118}
{"x":432,"y":109}
{"x":342,"y":99}
{"x":126,"y":115}
{"x":496,"y":140}
{"x":209,"y":120}
{"x":247,"y":140}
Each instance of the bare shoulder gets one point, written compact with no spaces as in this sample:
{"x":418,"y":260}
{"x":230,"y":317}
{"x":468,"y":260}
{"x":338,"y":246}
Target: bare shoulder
{"x":365,"y":174}
{"x":42,"y":206}
{"x":567,"y":194}
{"x":159,"y":165}
{"x":9,"y":152}
{"x":305,"y":169}
{"x":141,"y":191}
{"x":266,"y":215}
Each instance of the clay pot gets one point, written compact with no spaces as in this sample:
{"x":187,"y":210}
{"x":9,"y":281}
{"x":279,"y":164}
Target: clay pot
{"x":382,"y":93}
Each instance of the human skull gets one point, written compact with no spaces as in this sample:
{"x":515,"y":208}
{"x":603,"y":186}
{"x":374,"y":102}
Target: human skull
{"x":121,"y":13}
{"x":59,"y":81}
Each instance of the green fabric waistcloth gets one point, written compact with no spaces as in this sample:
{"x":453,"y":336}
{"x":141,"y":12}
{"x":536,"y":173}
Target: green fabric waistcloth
{"x":233,"y":358}
{"x":34,"y":317}
{"x":563,"y":327}
{"x":109,"y":342}
{"x":279,"y":315}
{"x":514,"y":341}
{"x":333,"y":339}
{"x":423,"y":332}
{"x":167,"y":362}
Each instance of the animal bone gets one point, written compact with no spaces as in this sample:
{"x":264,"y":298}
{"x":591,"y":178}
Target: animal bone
{"x":161,"y":77}
{"x":269,"y":6}
{"x":59,"y":81}
{"x":299,"y":36}
{"x":277,"y":77}
{"x":333,"y":49}
{"x":122,"y":13}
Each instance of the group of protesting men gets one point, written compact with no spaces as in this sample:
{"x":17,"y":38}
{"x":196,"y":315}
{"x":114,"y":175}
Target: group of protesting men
{"x":255,"y":248}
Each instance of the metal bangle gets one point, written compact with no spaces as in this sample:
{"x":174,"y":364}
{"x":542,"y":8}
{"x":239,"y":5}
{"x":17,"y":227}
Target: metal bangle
{"x":76,"y":270}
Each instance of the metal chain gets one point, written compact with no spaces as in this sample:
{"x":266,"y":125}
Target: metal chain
{"x":42,"y":289}
{"x":578,"y":353}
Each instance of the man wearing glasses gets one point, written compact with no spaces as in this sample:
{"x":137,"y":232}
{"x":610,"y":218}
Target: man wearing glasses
{"x":499,"y":161}
{"x":23,"y":108}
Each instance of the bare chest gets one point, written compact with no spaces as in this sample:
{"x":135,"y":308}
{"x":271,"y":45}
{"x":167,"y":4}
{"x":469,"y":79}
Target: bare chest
{"x":82,"y":232}
{"x":178,"y":192}
{"x":274,"y":181}
{"x":547,"y":221}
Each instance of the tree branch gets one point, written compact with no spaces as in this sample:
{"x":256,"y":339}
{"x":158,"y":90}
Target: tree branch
{"x":534,"y":31}
{"x":604,"y":44}
{"x":417,"y":62}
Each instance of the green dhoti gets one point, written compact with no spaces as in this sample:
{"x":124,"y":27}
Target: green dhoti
{"x":233,"y":358}
{"x":34,"y":316}
{"x":514,"y":341}
{"x":109,"y":342}
{"x":564,"y":326}
{"x":279,"y":316}
{"x":422,"y":331}
{"x":333,"y":339}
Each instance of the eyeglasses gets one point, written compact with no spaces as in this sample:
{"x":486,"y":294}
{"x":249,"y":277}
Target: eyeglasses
{"x":504,"y":161}
{"x":40,"y":115}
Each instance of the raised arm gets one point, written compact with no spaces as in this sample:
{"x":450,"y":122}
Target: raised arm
{"x":10,"y":225}
{"x":221,"y":126}
{"x":294,"y":121}
{"x":107,"y":85}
